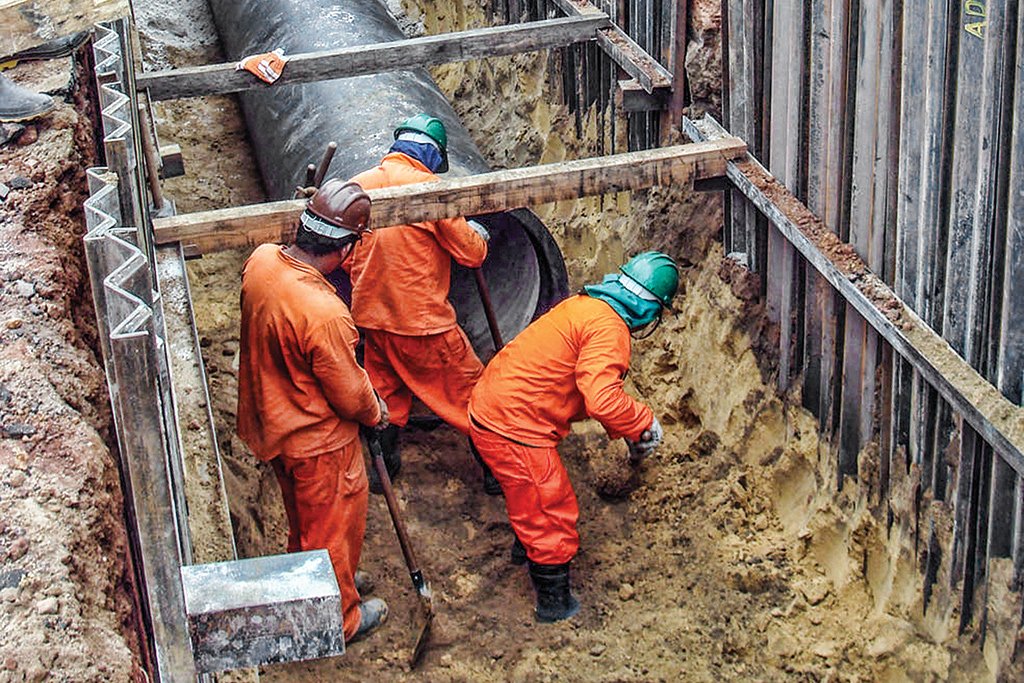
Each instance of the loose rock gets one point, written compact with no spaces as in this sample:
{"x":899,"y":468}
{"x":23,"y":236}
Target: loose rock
{"x":18,"y":549}
{"x":48,"y":606}
{"x":815,"y":591}
{"x":18,"y":429}
{"x":24,"y":289}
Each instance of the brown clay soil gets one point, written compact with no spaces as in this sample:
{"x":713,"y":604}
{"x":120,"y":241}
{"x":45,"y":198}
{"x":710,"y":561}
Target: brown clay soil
{"x":66,"y":611}
{"x":729,"y":554}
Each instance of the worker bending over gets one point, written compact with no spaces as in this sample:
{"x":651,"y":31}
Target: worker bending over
{"x":401,"y":275}
{"x":568,"y":365}
{"x":301,"y":393}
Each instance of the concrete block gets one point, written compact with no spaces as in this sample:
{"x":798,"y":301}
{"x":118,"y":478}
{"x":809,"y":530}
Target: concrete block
{"x":263,"y":610}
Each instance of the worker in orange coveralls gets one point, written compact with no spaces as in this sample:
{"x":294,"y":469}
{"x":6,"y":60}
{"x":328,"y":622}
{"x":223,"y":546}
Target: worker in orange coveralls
{"x":568,"y":365}
{"x":400,"y":281}
{"x":301,"y":393}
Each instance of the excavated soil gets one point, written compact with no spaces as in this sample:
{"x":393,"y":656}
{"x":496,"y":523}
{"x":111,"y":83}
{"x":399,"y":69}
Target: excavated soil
{"x":66,"y":611}
{"x":728,"y":554}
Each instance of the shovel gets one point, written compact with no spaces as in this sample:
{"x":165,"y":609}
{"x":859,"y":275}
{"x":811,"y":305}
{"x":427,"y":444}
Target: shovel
{"x":418,"y":582}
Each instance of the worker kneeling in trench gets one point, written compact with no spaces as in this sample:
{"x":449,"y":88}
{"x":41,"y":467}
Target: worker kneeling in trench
{"x":568,"y":365}
{"x":301,"y":393}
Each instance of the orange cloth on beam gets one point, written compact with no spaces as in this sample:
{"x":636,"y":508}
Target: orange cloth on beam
{"x":401,"y":274}
{"x":325,"y":499}
{"x":568,"y":365}
{"x":300,"y":390}
{"x":539,"y":498}
{"x":441,"y":369}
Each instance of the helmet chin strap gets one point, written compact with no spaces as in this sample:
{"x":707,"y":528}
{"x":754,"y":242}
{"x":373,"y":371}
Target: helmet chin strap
{"x":640,"y":333}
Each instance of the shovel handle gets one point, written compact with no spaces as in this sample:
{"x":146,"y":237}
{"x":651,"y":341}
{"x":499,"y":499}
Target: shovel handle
{"x":485,"y":300}
{"x":325,"y":163}
{"x":377,"y":454}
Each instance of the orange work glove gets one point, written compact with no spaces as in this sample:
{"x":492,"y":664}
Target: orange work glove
{"x":267,"y":66}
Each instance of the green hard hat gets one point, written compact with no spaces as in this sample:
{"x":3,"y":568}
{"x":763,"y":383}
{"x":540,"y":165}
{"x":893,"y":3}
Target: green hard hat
{"x":656,"y":272}
{"x":432,"y":128}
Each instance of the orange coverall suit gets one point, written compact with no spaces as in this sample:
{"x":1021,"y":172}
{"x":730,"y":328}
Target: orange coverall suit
{"x":568,"y":365}
{"x":400,"y":280}
{"x":301,"y":399}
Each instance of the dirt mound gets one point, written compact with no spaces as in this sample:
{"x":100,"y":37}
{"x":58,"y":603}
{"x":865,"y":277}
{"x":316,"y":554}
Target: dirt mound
{"x":66,"y":610}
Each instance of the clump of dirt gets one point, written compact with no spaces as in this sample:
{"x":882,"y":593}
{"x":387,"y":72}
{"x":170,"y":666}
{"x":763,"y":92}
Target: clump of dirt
{"x":607,"y":464}
{"x":66,"y":597}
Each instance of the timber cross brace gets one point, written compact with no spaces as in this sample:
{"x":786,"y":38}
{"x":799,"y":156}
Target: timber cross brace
{"x":584,"y":23}
{"x":716,"y":154}
{"x":484,"y":193}
{"x":982,"y":405}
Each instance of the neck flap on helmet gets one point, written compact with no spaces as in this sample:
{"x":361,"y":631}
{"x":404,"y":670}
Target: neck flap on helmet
{"x":426,"y":153}
{"x":637,"y":312}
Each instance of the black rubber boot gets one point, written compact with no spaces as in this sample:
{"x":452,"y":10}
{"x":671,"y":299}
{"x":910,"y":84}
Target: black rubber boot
{"x":392,"y":458}
{"x":491,"y":485}
{"x":61,"y":47}
{"x":517,"y":555}
{"x":555,"y":600}
{"x":20,"y":104}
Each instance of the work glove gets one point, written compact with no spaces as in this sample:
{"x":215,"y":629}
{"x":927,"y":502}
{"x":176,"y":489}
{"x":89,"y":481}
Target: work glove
{"x":479,"y":229}
{"x":267,"y":66}
{"x":304,"y":192}
{"x":648,"y":441}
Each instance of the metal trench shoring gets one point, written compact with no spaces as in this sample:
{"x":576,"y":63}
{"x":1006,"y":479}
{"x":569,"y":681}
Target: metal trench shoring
{"x":120,"y":256}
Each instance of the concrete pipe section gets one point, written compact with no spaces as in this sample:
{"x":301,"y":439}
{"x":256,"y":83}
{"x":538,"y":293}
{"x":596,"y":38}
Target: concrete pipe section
{"x":290,"y":127}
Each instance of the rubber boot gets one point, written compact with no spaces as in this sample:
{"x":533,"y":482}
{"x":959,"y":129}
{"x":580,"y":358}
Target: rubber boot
{"x":517,"y":555}
{"x":20,"y":104}
{"x":392,"y":458}
{"x":555,"y":600}
{"x":61,"y":47}
{"x":364,"y":582}
{"x":374,"y":612}
{"x":491,"y":485}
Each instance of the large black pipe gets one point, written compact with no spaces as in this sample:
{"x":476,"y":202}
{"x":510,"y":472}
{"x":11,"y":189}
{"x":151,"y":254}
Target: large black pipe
{"x":290,"y":127}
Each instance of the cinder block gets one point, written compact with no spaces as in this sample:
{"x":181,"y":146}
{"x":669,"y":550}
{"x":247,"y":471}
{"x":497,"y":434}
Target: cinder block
{"x":263,"y":610}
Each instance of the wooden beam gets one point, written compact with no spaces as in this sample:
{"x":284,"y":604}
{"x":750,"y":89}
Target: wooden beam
{"x":26,"y":24}
{"x":997,"y":420}
{"x":635,"y":98}
{"x":648,"y":72}
{"x":674,"y":54}
{"x":471,"y":195}
{"x":636,"y":62}
{"x":359,"y":60}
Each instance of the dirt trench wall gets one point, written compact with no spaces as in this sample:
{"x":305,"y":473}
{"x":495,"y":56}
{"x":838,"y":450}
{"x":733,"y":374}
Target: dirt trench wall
{"x":66,"y":604}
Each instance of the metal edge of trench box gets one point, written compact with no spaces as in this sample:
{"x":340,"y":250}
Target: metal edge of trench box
{"x":263,"y":610}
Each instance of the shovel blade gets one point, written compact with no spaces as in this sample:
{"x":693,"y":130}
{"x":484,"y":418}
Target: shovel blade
{"x":427,"y":610}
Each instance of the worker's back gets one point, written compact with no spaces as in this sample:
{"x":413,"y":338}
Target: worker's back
{"x":294,"y":330}
{"x":567,"y":365}
{"x":401,"y":274}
